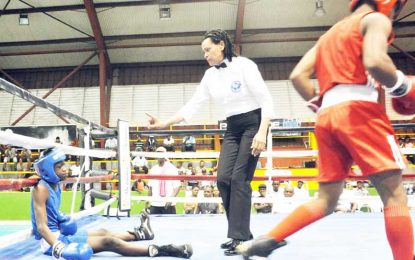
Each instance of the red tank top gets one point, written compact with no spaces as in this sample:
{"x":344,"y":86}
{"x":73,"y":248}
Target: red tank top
{"x":339,"y":54}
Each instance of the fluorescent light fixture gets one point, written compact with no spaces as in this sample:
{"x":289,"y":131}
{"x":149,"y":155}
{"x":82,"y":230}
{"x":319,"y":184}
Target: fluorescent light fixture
{"x":23,"y":19}
{"x":165,"y":11}
{"x":319,"y":9}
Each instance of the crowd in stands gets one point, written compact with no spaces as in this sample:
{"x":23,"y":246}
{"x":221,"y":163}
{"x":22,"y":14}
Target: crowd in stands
{"x":283,"y":196}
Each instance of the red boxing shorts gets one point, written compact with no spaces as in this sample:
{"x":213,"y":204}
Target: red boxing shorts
{"x":355,"y":132}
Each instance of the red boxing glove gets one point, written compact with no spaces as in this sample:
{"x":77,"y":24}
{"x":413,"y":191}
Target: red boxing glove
{"x":315,"y":103}
{"x":403,"y":94}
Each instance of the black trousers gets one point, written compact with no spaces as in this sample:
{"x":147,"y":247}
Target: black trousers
{"x":236,"y":170}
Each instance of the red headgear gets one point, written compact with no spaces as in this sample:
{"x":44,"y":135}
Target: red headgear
{"x":385,"y":7}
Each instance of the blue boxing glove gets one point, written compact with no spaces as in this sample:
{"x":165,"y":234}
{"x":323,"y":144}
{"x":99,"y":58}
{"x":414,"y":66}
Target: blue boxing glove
{"x":67,"y":225}
{"x":73,"y":251}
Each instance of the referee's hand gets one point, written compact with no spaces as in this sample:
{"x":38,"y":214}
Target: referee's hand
{"x":154,"y":122}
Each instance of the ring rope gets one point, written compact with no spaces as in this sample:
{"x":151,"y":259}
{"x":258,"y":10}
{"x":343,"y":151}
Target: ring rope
{"x":17,"y":184}
{"x":34,"y":143}
{"x":255,"y":178}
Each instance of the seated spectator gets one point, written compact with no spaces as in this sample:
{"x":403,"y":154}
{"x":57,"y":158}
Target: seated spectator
{"x":191,"y":171}
{"x":347,"y":201}
{"x":202,"y":165}
{"x":74,"y":172}
{"x":140,"y":164}
{"x":168,"y":143}
{"x":180,"y":168}
{"x":360,"y":189}
{"x":276,"y":191}
{"x":189,"y":144}
{"x":207,"y":207}
{"x":301,"y":191}
{"x":190,"y":207}
{"x":58,"y":140}
{"x":407,"y":143}
{"x":111,"y":143}
{"x":203,"y":172}
{"x":288,"y":202}
{"x":10,"y":155}
{"x":139,"y":145}
{"x":216,"y":194}
{"x":25,"y":156}
{"x":151,"y":144}
{"x":410,"y":188}
{"x":263,"y":207}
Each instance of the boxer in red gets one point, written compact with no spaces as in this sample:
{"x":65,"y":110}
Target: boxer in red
{"x":351,"y":125}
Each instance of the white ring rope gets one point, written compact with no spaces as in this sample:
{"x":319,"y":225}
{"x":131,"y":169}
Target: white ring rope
{"x":371,"y":200}
{"x":212,"y":155}
{"x":7,"y":137}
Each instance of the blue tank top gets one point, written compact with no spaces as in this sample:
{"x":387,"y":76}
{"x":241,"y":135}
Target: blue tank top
{"x":53,"y":204}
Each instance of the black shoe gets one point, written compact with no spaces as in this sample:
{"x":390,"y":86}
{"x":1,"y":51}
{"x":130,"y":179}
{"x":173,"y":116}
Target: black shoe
{"x":226,"y":245}
{"x":232,"y":248}
{"x":261,"y":246}
{"x":144,"y":232}
{"x":182,"y":251}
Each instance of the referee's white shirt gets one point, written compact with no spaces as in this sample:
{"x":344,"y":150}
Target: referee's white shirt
{"x":237,"y":89}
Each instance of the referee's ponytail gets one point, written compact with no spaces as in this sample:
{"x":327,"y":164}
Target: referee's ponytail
{"x":218,"y":35}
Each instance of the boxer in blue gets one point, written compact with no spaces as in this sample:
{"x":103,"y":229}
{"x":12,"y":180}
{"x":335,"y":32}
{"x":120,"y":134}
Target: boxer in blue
{"x":58,"y":233}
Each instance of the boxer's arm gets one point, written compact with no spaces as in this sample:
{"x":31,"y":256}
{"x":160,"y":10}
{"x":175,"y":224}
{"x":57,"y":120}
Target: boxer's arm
{"x":376,"y":28}
{"x":300,"y":76}
{"x":40,"y":195}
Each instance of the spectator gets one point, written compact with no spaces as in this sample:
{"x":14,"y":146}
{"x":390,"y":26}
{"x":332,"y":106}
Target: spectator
{"x":191,"y":171}
{"x":288,"y":202}
{"x":139,"y":144}
{"x":25,"y":156}
{"x":180,"y":168}
{"x":360,"y":189}
{"x":202,"y":166}
{"x":216,"y":194}
{"x":58,"y":140}
{"x":190,"y":207}
{"x":168,"y":143}
{"x":163,"y":188}
{"x":207,"y":207}
{"x":263,"y":207}
{"x":276,"y":191}
{"x":10,"y":155}
{"x":111,"y":143}
{"x":74,"y":143}
{"x":407,"y":143}
{"x":151,"y":144}
{"x":140,"y":164}
{"x":301,"y":191}
{"x":189,"y":144}
{"x":205,"y":183}
{"x":74,"y":172}
{"x":347,"y":201}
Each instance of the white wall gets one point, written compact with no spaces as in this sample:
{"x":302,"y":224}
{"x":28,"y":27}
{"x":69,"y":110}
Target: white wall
{"x":131,"y":102}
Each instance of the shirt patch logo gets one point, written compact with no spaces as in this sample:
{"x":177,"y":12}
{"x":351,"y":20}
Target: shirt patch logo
{"x":236,"y":86}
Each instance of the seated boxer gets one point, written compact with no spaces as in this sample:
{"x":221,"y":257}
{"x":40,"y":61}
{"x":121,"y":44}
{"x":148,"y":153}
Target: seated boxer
{"x":58,"y":234}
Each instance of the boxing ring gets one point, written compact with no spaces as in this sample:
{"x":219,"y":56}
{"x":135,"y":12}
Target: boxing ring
{"x":339,"y":236}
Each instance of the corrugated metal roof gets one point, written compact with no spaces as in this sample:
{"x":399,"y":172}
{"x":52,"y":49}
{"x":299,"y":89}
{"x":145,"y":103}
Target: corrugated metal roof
{"x":170,"y":39}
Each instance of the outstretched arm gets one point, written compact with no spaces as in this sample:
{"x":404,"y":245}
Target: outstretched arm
{"x":156,"y":123}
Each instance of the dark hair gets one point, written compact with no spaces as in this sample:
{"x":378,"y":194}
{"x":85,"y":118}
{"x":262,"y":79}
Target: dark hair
{"x":369,"y":2}
{"x":219,"y":35}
